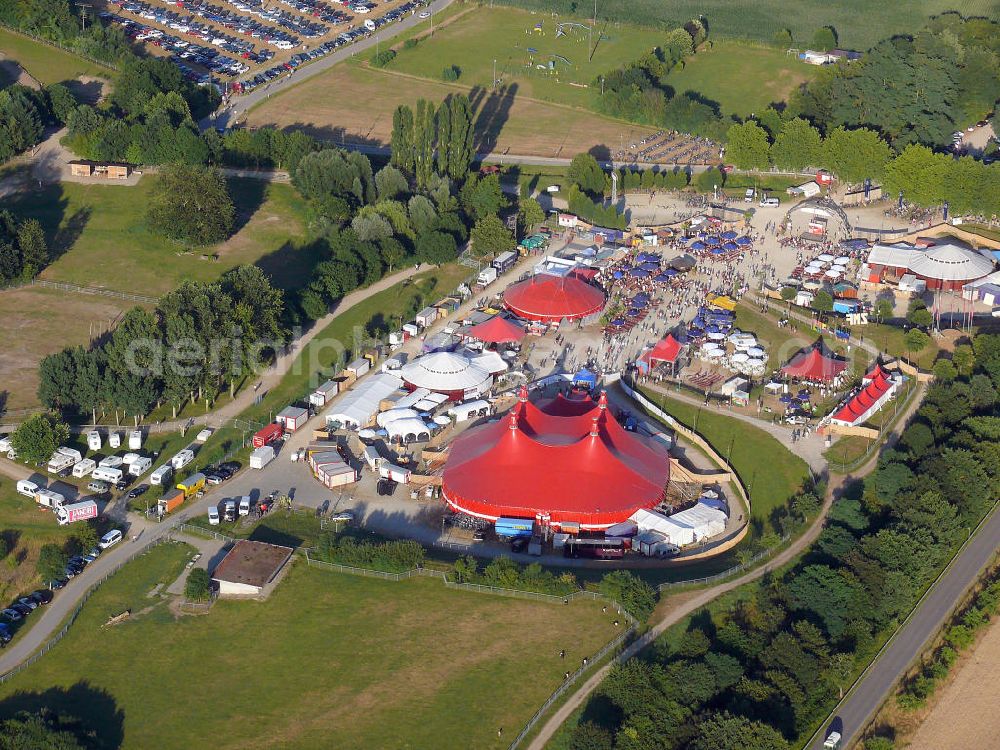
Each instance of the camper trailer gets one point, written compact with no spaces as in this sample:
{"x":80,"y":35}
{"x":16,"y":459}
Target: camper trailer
{"x":161,"y":475}
{"x":84,"y":468}
{"x":94,"y":440}
{"x":140,"y":466}
{"x":135,"y":440}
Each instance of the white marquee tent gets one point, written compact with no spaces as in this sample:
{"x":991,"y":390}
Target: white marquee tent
{"x":358,"y":406}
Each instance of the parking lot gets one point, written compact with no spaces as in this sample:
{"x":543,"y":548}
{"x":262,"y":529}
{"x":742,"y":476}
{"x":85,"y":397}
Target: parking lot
{"x":239,"y":45}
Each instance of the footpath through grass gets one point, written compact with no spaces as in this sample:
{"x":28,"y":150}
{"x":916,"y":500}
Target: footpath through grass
{"x":46,"y":63}
{"x":770,"y":472}
{"x":328,"y":661}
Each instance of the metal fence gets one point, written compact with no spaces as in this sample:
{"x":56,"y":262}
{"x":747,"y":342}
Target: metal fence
{"x":47,"y":646}
{"x":78,"y":289}
{"x":729,"y":572}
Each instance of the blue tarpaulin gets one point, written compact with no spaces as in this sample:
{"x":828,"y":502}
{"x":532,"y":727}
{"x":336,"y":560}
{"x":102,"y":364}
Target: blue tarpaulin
{"x":585,"y":377}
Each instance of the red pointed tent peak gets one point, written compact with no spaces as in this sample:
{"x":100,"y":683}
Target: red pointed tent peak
{"x":522,"y":394}
{"x":666,"y":350}
{"x":602,"y":402}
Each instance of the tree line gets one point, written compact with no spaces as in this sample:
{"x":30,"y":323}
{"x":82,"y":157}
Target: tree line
{"x":760,"y":674}
{"x":25,"y":112}
{"x":61,"y":22}
{"x":23,"y":251}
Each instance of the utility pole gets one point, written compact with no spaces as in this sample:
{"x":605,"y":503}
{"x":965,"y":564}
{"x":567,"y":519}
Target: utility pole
{"x":83,"y":13}
{"x":494,"y":74}
{"x":592,"y":25}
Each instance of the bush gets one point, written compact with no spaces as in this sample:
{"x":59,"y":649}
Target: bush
{"x":391,"y":557}
{"x":198,"y":585}
{"x":504,"y":573}
{"x":410,"y":43}
{"x":705,"y":181}
{"x":451,"y":73}
{"x":633,"y":593}
{"x":383,"y":58}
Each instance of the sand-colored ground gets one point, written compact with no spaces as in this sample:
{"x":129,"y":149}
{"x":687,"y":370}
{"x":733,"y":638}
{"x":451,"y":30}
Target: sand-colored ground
{"x":966,"y":714}
{"x":354,"y":103}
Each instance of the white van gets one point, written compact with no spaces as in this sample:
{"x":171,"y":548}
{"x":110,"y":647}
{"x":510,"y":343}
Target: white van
{"x":110,"y":539}
{"x":161,"y":475}
{"x":769,"y":202}
{"x":245,"y":505}
{"x":135,"y":440}
{"x":107,"y":474}
{"x":140,"y":466}
{"x":5,"y":444}
{"x":114,"y":440}
{"x":94,"y":440}
{"x":213,"y":515}
{"x":370,"y":25}
{"x":84,"y":468}
{"x":111,"y":462}
{"x":749,"y":195}
{"x":26,"y":488}
{"x":182,"y":459}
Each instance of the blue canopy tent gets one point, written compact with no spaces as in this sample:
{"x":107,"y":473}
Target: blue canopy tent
{"x":650,"y":266}
{"x":744,"y":240}
{"x":730,"y":246}
{"x":729,"y":235}
{"x":617,"y":322}
{"x":618,"y":274}
{"x":699,"y":245}
{"x":585,"y":378}
{"x":638,"y":273}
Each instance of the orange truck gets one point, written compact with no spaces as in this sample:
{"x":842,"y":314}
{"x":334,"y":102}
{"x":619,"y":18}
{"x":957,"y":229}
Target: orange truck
{"x":170,"y":501}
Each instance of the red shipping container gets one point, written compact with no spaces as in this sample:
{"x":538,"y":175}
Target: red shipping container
{"x":268,"y":435}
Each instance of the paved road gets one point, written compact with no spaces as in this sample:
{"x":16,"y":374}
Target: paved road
{"x":881,"y":678}
{"x":239,"y":105}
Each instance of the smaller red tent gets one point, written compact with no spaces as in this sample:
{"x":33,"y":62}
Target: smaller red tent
{"x":667,"y":350}
{"x":814,"y":365}
{"x":497,"y":330}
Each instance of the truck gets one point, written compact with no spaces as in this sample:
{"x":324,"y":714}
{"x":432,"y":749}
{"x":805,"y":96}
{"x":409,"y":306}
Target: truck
{"x":84,"y":468}
{"x":169,"y":502}
{"x":487,"y":276}
{"x":182,"y":459}
{"x":94,"y":440}
{"x":76,"y":512}
{"x":267,"y":435}
{"x":261,"y":457}
{"x":49,"y":499}
{"x":192,"y":485}
{"x":161,"y":475}
{"x":108,"y":474}
{"x":140,"y":466}
{"x":504,"y":261}
{"x":59,"y":463}
{"x":135,"y":440}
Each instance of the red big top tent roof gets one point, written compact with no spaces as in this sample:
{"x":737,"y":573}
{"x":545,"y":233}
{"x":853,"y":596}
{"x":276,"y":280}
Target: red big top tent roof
{"x":553,"y":298}
{"x":568,"y":458}
{"x":814,"y":365}
{"x":497,"y":330}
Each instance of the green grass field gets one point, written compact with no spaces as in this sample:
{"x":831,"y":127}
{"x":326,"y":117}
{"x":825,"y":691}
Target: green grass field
{"x":318,"y":359}
{"x":328,"y":661}
{"x":477,"y":38}
{"x":859,"y":24}
{"x":100,"y":234}
{"x":770,"y":472}
{"x":741,"y":78}
{"x":46,"y":63}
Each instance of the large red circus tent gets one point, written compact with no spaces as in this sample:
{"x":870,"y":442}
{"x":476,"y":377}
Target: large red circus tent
{"x":550,"y":299}
{"x":497,"y":330}
{"x":566,"y":460}
{"x":814,"y":365}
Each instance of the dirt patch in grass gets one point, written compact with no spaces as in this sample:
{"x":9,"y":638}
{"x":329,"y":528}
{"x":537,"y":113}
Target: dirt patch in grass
{"x":327,"y":107}
{"x":38,"y":322}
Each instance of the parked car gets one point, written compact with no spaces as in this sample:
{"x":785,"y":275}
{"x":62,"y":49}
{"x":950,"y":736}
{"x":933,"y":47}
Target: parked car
{"x":97,"y":486}
{"x":229,"y":511}
{"x":24,"y":610}
{"x":213,"y":515}
{"x":58,"y":584}
{"x":232,"y":466}
{"x":213,"y":479}
{"x":5,"y":635}
{"x":28,"y":602}
{"x":77,"y":561}
{"x":89,"y":558}
{"x":11,"y":614}
{"x":42,"y":596}
{"x":137,"y":491}
{"x":344,"y":515}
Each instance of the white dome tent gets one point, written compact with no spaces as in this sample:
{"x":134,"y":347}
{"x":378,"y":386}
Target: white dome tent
{"x":450,"y":373}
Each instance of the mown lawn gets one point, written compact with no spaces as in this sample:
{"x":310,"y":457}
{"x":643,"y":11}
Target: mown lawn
{"x":891,"y":339}
{"x":322,"y":357}
{"x":100,"y":235}
{"x":328,"y":661}
{"x":46,"y":63}
{"x":770,"y":472}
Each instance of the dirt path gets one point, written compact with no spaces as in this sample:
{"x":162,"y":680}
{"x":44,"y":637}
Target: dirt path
{"x":965,"y":715}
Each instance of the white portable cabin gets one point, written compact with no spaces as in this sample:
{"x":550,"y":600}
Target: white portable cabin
{"x":427,"y":316}
{"x":94,"y":440}
{"x":411,"y":329}
{"x":135,"y":440}
{"x":107,"y":474}
{"x":49,"y":499}
{"x":114,"y":440}
{"x":261,"y":457}
{"x":371,"y":457}
{"x":359,"y":367}
{"x":140,"y":466}
{"x":26,"y":488}
{"x":83,"y":468}
{"x":470,"y":410}
{"x":161,"y":475}
{"x":397,"y":473}
{"x":109,"y":462}
{"x":292,"y":417}
{"x":324,"y":394}
{"x":182,"y":459}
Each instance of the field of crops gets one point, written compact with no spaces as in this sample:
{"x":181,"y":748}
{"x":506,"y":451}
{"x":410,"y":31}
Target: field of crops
{"x":859,"y":23}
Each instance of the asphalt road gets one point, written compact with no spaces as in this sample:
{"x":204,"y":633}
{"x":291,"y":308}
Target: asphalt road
{"x":239,"y":105}
{"x":880,"y":679}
